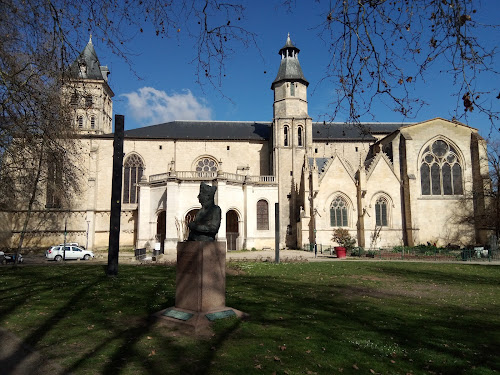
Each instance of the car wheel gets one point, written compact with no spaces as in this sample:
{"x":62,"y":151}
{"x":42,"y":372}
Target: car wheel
{"x":86,"y":257}
{"x":58,"y":258}
{"x":4,"y":261}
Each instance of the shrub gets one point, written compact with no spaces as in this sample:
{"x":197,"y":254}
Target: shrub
{"x":343,"y":238}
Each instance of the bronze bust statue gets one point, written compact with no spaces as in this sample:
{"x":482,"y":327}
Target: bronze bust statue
{"x":206,"y":224}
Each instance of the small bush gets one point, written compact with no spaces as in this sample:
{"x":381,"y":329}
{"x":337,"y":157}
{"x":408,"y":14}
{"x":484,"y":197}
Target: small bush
{"x":343,"y":238}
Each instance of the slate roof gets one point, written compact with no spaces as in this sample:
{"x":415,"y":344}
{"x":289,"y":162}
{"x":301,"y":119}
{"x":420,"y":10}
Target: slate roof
{"x":341,"y":132}
{"x":320,"y":162}
{"x":204,"y":130}
{"x":255,"y":130}
{"x":88,"y":57}
{"x":289,"y":69}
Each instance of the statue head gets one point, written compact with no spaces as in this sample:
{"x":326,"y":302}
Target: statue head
{"x":206,"y":194}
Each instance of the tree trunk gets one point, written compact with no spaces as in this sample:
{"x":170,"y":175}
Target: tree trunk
{"x":30,"y":204}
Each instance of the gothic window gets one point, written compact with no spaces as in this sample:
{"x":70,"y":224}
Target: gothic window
{"x":440,"y":170}
{"x":299,"y":135}
{"x":132,"y":174}
{"x":80,"y":121}
{"x":292,"y":89}
{"x":88,"y":101}
{"x":92,"y":122}
{"x":381,"y":212}
{"x":338,"y":212}
{"x":262,"y":215}
{"x":285,"y":136}
{"x":54,"y":182}
{"x":206,"y":165}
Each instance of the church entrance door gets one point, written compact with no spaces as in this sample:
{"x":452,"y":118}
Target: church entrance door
{"x":161,"y":227}
{"x":232,"y":230}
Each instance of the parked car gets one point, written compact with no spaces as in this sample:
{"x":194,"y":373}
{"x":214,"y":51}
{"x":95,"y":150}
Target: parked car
{"x":57,"y":253}
{"x":72,"y":244}
{"x":9,"y":258}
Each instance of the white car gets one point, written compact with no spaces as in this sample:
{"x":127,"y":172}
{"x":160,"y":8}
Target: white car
{"x":57,"y":253}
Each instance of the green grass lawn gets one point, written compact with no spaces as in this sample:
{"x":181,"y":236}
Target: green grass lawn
{"x":305,"y":318}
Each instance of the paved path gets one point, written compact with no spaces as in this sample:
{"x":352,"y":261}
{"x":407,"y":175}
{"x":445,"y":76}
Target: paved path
{"x":127,"y":257}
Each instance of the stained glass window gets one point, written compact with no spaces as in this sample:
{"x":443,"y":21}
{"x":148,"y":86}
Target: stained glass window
{"x":381,"y":212}
{"x":132,"y":174}
{"x":206,"y":165}
{"x":262,"y":215}
{"x":440,"y":170}
{"x":338,"y":213}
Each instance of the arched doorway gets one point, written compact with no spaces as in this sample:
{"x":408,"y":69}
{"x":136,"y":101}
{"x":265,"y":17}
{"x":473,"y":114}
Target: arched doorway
{"x":232,"y":230}
{"x":161,"y":227}
{"x":189,"y":218}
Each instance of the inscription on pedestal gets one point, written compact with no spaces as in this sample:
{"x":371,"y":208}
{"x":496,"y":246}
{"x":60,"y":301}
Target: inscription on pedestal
{"x":220,"y":315}
{"x":176,"y":314}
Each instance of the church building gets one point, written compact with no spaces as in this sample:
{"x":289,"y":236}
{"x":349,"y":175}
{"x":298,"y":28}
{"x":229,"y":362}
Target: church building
{"x":388,"y":184}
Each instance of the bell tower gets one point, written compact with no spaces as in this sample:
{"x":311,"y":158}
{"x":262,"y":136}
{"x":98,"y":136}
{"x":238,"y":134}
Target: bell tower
{"x":89,"y":93}
{"x":292,"y":139}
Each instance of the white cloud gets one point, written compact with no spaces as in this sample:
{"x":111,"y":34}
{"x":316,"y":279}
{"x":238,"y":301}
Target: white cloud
{"x":151,"y":106}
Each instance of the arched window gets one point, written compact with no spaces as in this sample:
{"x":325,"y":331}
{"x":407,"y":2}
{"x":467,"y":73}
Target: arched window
{"x":299,"y":136}
{"x":440,"y":170}
{"x":80,"y":121}
{"x":206,"y":164}
{"x":92,"y":122}
{"x":338,"y":212}
{"x":132,"y":173}
{"x":292,"y":89}
{"x":381,"y":212}
{"x":285,"y":136}
{"x":262,"y":215}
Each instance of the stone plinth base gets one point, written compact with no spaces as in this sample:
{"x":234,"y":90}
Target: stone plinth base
{"x":201,"y":275}
{"x":200,"y":296}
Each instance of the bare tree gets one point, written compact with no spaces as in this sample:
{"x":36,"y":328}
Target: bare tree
{"x":35,"y":132}
{"x":381,"y":48}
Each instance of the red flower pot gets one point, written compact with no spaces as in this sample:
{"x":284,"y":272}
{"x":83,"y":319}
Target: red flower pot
{"x":340,"y":251}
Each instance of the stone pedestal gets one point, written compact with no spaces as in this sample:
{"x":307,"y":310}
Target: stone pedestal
{"x":201,"y":275}
{"x":200,"y":296}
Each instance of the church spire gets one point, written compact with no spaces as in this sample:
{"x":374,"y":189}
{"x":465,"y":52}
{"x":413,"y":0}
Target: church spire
{"x":87,"y":64}
{"x":289,"y":70}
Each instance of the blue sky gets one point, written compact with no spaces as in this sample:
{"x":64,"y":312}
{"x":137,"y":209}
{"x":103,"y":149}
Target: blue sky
{"x":164,"y":88}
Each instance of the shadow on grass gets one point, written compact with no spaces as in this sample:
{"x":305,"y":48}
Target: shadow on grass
{"x":316,"y":318}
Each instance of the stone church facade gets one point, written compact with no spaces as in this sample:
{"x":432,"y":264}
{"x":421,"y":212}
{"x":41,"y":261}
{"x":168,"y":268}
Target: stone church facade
{"x":388,"y":184}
